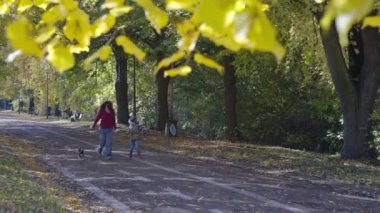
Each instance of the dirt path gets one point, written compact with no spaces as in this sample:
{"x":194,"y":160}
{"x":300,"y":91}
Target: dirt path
{"x":163,"y":182}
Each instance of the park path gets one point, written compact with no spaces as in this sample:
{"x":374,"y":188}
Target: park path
{"x":162,"y":182}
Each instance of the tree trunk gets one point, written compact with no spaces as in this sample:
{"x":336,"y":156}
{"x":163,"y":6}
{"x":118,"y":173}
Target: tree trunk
{"x":230,"y":98}
{"x":121,"y":84}
{"x":162,"y":98}
{"x":31,"y":105}
{"x":369,"y":81}
{"x":356,"y":86}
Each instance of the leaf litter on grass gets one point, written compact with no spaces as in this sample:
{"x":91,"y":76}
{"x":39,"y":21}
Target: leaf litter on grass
{"x":21,"y":180}
{"x":269,"y":159}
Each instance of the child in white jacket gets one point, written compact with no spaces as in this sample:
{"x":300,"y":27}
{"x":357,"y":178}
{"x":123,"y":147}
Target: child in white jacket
{"x":133,"y":131}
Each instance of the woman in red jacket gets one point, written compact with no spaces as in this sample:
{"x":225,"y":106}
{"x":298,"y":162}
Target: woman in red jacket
{"x":106,"y":114}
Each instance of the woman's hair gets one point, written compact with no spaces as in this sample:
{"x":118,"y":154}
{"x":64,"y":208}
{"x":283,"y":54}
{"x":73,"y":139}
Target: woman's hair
{"x":103,"y":107}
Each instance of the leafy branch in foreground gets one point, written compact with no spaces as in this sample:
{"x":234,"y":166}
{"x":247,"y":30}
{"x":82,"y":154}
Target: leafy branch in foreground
{"x":64,"y":29}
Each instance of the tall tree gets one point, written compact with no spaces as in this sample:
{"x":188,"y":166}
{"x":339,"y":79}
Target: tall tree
{"x":356,"y":83}
{"x":121,"y":84}
{"x":162,"y":99}
{"x":230,"y":98}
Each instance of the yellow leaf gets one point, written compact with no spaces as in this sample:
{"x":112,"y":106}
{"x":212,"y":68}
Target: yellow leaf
{"x":42,"y":3}
{"x":238,"y":24}
{"x":78,"y":48}
{"x":78,"y":27}
{"x":167,"y":61}
{"x":20,"y":35}
{"x":103,"y":53}
{"x":120,"y":11}
{"x":61,"y":57}
{"x":54,"y":14}
{"x":241,"y":5}
{"x":103,"y":25}
{"x":345,"y":14}
{"x":201,"y":59}
{"x":157,"y":17}
{"x":189,"y":35}
{"x":262,"y":36}
{"x":373,"y":21}
{"x":24,"y":5}
{"x":279,"y":51}
{"x":224,"y":40}
{"x":220,"y":30}
{"x":130,"y":47}
{"x":69,"y":4}
{"x":182,"y":71}
{"x":217,"y":14}
{"x":5,"y":6}
{"x":113,"y":3}
{"x":45,"y":33}
{"x":188,"y":5}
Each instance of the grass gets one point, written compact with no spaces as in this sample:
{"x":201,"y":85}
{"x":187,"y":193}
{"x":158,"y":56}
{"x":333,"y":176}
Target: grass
{"x":23,"y":192}
{"x":20,"y":193}
{"x":270,"y":159}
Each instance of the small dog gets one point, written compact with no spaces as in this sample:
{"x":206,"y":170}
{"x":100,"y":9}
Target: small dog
{"x":81,"y":153}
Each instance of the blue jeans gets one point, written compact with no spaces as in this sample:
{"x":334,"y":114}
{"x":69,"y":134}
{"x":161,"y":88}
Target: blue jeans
{"x":105,"y":145}
{"x":134,"y":145}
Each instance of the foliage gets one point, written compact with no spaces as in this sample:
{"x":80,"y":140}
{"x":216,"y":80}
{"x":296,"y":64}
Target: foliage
{"x":146,"y":92}
{"x":198,"y":103}
{"x":375,"y":137}
{"x":19,"y":193}
{"x":83,"y":91}
{"x":64,"y":29}
{"x":292,"y":104}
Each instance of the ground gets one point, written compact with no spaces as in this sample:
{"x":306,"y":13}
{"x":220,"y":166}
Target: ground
{"x":162,"y":181}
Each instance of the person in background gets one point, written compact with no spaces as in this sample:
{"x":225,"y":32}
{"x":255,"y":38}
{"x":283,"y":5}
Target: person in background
{"x":133,"y":131}
{"x":106,"y":115}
